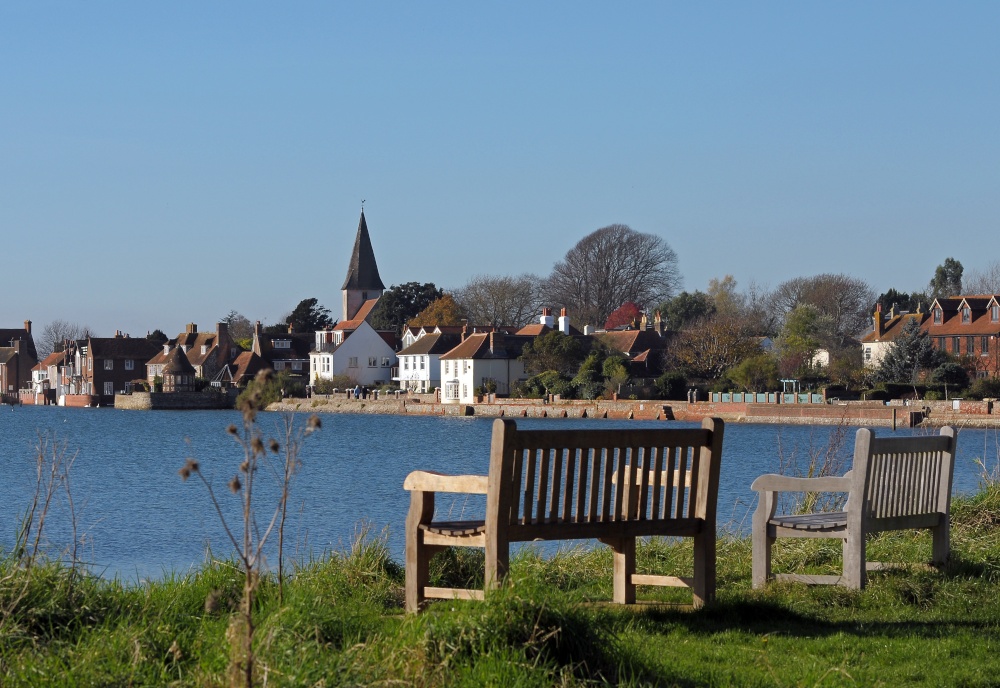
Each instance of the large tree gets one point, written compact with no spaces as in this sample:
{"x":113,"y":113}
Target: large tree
{"x":55,"y":335}
{"x":844,"y":303}
{"x":947,"y":280}
{"x":401,"y":303}
{"x":902,"y":300}
{"x":910,"y":354}
{"x":442,"y":311}
{"x":686,"y":308}
{"x":985,"y":281}
{"x":240,"y":327}
{"x":309,"y":316}
{"x":500,"y":299}
{"x":712,"y":346}
{"x":553,"y":351}
{"x":608,"y":267}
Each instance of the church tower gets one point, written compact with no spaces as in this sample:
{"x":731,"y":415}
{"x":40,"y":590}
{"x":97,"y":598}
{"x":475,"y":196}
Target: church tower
{"x":363,"y":282}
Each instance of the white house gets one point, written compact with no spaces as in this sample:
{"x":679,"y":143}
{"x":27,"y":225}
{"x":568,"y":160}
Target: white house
{"x":355,"y":349}
{"x":420,"y":362}
{"x":481,"y":359}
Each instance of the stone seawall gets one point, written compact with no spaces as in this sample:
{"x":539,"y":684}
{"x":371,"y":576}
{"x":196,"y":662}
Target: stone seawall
{"x":175,"y":401}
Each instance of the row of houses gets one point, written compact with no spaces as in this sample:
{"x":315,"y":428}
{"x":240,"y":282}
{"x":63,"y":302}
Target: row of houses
{"x":967,"y":327}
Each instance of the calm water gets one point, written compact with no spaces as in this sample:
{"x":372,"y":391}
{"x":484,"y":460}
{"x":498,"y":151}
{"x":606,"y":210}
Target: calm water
{"x":137,"y":518}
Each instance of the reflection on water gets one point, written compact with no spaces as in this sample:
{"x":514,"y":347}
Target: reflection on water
{"x":139,"y":520}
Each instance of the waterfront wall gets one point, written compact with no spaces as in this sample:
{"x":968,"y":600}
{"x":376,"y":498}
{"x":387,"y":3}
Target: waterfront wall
{"x":175,"y":401}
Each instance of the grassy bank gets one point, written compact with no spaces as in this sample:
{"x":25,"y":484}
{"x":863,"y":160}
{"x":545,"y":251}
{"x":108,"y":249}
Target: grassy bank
{"x":340,"y":622}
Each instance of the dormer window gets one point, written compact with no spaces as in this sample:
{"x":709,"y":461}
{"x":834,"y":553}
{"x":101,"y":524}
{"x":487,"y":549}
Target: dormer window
{"x":995,"y":313}
{"x":204,"y":349}
{"x":938,"y":319}
{"x":282,"y":343}
{"x":166,"y":349}
{"x":966,"y":315}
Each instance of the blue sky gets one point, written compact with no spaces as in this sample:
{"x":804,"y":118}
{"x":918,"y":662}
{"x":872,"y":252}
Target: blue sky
{"x":165,"y":163}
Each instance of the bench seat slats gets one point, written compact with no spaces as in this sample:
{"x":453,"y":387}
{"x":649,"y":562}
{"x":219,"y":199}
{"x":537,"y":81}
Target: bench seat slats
{"x":820,"y":521}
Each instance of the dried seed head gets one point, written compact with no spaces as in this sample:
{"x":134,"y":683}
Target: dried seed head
{"x":273,"y":445}
{"x":212,"y":603}
{"x":190,"y":467}
{"x":244,"y":467}
{"x":235,"y":485}
{"x":175,"y":651}
{"x":185,"y":473}
{"x":232,"y":429}
{"x":314,"y":423}
{"x":257,"y":444}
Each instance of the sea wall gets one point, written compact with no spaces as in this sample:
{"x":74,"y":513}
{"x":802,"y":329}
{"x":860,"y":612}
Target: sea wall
{"x":175,"y":401}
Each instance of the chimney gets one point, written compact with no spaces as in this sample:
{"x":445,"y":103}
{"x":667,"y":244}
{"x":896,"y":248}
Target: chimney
{"x":588,"y":330}
{"x":255,"y":347}
{"x":563,"y":322}
{"x":191,"y":328}
{"x":223,"y":342}
{"x":878,"y":321}
{"x":291,"y":328}
{"x":27,"y":326}
{"x":658,"y":324}
{"x":465,"y":329}
{"x":547,"y":318}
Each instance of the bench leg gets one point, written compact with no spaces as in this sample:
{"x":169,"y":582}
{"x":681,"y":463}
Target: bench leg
{"x":418,"y":555}
{"x":624,"y":567}
{"x":704,"y":569}
{"x":762,"y":545}
{"x":941,"y":542}
{"x":497,"y":560}
{"x":855,"y":555}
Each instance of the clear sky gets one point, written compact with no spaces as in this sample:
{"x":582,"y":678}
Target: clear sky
{"x":165,"y":163}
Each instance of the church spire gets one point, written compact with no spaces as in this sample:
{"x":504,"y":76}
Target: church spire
{"x":362,"y":273}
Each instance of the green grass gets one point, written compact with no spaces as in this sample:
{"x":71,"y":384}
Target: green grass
{"x":341,"y":621}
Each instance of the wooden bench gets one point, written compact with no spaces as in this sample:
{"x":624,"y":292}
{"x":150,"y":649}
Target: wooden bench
{"x":896,"y":483}
{"x":609,"y":485}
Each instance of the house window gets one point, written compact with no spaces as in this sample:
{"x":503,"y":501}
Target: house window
{"x":279,"y":365}
{"x":129,"y":364}
{"x":446,"y":367}
{"x":385,"y":362}
{"x":966,"y":315}
{"x":297,"y":365}
{"x":995,"y":313}
{"x":109,"y":389}
{"x":282,"y":343}
{"x":970,"y":345}
{"x":956,"y":345}
{"x":984,"y":345}
{"x":352,"y":362}
{"x":937,"y":316}
{"x":868,"y":353}
{"x":372,"y":362}
{"x":406,"y":363}
{"x":109,"y":364}
{"x":204,"y":349}
{"x":465,"y":390}
{"x":451,"y":390}
{"x":422,"y":362}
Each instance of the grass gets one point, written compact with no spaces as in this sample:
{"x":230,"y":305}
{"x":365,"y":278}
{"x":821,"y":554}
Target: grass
{"x":340,"y":621}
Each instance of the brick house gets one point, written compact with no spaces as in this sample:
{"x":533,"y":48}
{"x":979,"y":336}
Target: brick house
{"x":110,"y":364}
{"x":968,"y":327}
{"x":207,"y":352}
{"x":17,"y":357}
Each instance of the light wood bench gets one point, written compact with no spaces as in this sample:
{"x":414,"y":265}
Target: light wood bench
{"x":896,"y":483}
{"x":609,"y":485}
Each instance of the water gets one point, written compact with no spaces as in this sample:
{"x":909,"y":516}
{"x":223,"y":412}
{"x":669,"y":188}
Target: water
{"x":137,"y":519}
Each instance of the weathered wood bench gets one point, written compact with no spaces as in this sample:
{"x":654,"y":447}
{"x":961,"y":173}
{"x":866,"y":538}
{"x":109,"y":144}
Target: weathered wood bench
{"x":609,"y":485}
{"x":896,"y":483}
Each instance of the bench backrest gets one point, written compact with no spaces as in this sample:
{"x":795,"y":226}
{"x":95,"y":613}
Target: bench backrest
{"x":603,"y":476}
{"x":902,"y":477}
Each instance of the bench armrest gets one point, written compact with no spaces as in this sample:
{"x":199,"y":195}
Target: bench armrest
{"x":783,"y":483}
{"x":430,"y":481}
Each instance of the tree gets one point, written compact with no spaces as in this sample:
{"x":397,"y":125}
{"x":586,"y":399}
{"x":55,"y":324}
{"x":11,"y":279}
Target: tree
{"x":713,"y":346}
{"x":56,"y":334}
{"x":401,"y":303}
{"x":686,"y":308}
{"x":442,"y":311}
{"x":910,"y":353}
{"x":952,"y":375}
{"x":240,"y":327}
{"x":158,"y":336}
{"x":947,"y":280}
{"x":844,"y":303}
{"x":626,"y":314}
{"x":589,"y":380}
{"x":799,"y":339}
{"x":553,"y":351}
{"x":608,"y":267}
{"x":902,"y":301}
{"x":500,"y":299}
{"x":985,"y":281}
{"x":756,"y":373}
{"x":309,"y":316}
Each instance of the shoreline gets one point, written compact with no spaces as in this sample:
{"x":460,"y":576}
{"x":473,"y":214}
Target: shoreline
{"x":869,"y":414}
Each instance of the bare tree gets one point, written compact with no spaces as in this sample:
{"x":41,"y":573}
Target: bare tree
{"x":500,"y":299}
{"x":844,"y":302}
{"x":239,"y":325}
{"x":712,"y":346}
{"x":608,"y":267}
{"x":56,"y":334}
{"x":985,"y":281}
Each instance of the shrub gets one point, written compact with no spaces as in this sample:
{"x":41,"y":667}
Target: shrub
{"x":672,"y":386}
